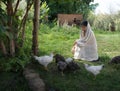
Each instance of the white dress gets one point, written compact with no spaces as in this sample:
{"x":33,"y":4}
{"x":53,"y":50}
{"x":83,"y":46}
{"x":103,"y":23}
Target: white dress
{"x":86,"y":47}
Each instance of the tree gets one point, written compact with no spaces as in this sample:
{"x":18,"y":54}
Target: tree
{"x":69,"y":6}
{"x":43,"y":12}
{"x":35,"y":26}
{"x":11,"y":26}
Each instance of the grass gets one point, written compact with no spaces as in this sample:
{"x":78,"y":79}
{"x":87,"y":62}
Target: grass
{"x":10,"y":81}
{"x":60,"y":40}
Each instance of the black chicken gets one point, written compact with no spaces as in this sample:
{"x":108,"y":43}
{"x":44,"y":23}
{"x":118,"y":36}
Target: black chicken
{"x":115,"y":60}
{"x":61,"y":64}
{"x":73,"y":66}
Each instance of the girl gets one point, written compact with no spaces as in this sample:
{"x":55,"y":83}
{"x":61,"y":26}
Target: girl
{"x":85,"y":48}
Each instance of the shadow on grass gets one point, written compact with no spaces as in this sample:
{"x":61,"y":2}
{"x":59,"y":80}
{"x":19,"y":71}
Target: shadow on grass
{"x":104,"y":58}
{"x":10,"y":81}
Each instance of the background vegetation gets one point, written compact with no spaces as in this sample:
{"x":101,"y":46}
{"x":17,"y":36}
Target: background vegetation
{"x":60,"y":39}
{"x":69,"y":6}
{"x":16,"y":44}
{"x":103,"y":21}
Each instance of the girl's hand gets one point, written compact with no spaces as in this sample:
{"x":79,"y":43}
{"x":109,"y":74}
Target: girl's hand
{"x":75,"y":43}
{"x":73,"y":50}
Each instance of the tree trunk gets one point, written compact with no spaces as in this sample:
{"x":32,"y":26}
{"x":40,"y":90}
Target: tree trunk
{"x":23,"y":23}
{"x":35,"y":26}
{"x":3,"y":48}
{"x":23,"y":29}
{"x":10,"y":14}
{"x":12,"y":47}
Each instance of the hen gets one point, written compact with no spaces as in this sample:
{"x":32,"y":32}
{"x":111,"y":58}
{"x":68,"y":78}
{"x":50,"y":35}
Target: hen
{"x":45,"y":60}
{"x":61,"y":64}
{"x":115,"y":60}
{"x":95,"y":70}
{"x":58,"y":58}
{"x":71,"y":64}
{"x":62,"y":67}
{"x":68,"y":60}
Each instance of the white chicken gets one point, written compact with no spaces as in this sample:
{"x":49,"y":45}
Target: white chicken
{"x":95,"y":70}
{"x":44,"y":60}
{"x":68,"y":60}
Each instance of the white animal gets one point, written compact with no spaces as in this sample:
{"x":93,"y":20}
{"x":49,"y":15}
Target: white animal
{"x":44,"y":60}
{"x":95,"y":70}
{"x":68,"y":60}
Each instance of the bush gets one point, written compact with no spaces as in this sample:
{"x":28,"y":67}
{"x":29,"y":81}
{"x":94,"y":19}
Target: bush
{"x":103,"y":21}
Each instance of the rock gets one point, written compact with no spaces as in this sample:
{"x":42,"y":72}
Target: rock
{"x":34,"y":80}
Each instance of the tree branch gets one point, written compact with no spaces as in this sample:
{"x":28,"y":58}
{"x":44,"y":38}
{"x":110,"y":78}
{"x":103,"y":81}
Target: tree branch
{"x":23,"y":23}
{"x":16,"y":7}
{"x":5,"y":3}
{"x":26,"y":14}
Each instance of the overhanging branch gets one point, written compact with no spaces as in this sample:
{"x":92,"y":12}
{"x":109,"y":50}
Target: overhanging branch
{"x":16,"y":7}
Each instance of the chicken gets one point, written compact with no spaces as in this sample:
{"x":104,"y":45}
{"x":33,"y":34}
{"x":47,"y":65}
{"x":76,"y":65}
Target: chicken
{"x":61,"y":64}
{"x":68,"y":60}
{"x":58,"y":58}
{"x":65,"y":64}
{"x":95,"y":70}
{"x":44,"y":60}
{"x":71,"y":64}
{"x":62,"y":67}
{"x":115,"y":60}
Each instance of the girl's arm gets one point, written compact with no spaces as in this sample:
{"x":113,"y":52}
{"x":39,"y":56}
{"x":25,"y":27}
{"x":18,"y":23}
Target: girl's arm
{"x":80,"y":44}
{"x":74,"y":43}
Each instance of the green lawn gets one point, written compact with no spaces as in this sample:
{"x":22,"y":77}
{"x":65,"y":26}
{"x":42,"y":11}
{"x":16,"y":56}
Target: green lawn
{"x":61,"y":40}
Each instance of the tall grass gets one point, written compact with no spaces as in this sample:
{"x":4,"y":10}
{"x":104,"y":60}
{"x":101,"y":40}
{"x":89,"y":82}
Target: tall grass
{"x":60,"y":40}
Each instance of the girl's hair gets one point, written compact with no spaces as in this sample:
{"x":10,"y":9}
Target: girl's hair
{"x":84,"y":23}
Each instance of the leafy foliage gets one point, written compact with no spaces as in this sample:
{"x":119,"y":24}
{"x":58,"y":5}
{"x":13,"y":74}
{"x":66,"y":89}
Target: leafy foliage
{"x":60,"y":40}
{"x":3,"y":18}
{"x":69,"y":6}
{"x":17,"y":63}
{"x":44,"y":11}
{"x":13,"y":82}
{"x":103,"y":21}
{"x":13,"y":19}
